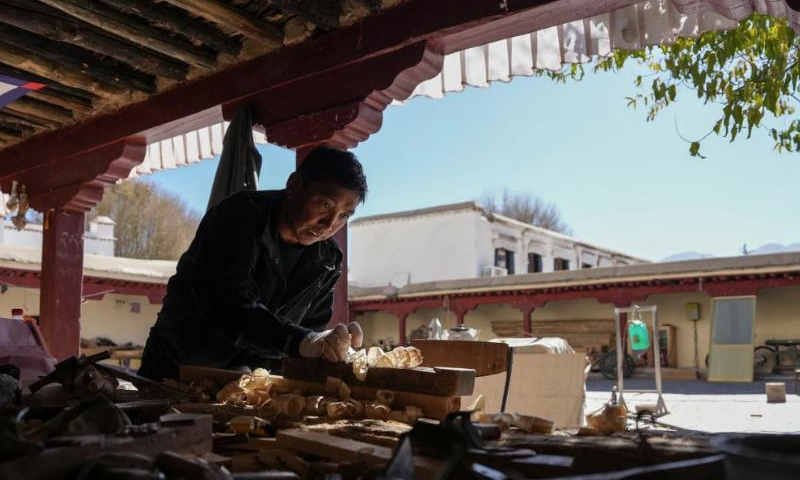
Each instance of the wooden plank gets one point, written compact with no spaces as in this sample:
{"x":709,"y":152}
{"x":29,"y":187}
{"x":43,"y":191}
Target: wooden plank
{"x":234,"y":18}
{"x":117,"y":23}
{"x":486,"y":358}
{"x":323,"y":14}
{"x":51,"y":23}
{"x":432,"y":381}
{"x":75,"y":58}
{"x":433,"y":406}
{"x":352,"y":451}
{"x":44,"y":67}
{"x":176,"y":20}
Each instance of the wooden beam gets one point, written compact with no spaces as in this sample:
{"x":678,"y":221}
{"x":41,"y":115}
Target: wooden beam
{"x":39,"y":65}
{"x":52,"y":24}
{"x":234,"y":18}
{"x":55,"y":87}
{"x":76,"y":184}
{"x":9,"y":117}
{"x":323,"y":14}
{"x":19,"y":127}
{"x":119,"y":24}
{"x":434,"y":20}
{"x":445,"y":382}
{"x":41,"y":109}
{"x":173,"y":19}
{"x":486,"y":358}
{"x":29,"y":118}
{"x":78,"y":59}
{"x":63,"y":101}
{"x":345,"y":450}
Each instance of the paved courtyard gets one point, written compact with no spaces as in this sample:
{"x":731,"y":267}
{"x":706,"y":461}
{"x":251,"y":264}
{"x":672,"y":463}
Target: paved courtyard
{"x":709,"y":407}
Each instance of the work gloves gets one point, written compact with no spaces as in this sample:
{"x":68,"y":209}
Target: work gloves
{"x":333,"y":344}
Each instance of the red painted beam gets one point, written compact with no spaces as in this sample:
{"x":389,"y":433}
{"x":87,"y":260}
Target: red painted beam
{"x":621,"y":295}
{"x":76,"y":183}
{"x":410,"y":22}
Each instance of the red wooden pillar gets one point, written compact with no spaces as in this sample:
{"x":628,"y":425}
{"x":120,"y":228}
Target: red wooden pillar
{"x":401,"y":326}
{"x":527,"y":307}
{"x":62,"y":282}
{"x":461,"y":307}
{"x":401,"y":311}
{"x":65,"y":188}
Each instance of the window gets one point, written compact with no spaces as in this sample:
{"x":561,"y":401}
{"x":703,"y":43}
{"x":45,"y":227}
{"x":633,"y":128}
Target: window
{"x":505,"y":259}
{"x":534,"y":263}
{"x":560,"y":264}
{"x":585,"y":265}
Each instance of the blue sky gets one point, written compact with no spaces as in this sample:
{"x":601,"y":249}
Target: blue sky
{"x":619,"y":181}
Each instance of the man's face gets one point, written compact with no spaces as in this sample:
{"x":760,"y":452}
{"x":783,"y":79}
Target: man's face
{"x":316,"y":211}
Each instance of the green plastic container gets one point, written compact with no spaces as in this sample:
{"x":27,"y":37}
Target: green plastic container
{"x":637,"y":333}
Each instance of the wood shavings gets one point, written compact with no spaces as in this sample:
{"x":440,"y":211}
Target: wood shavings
{"x":401,"y":357}
{"x":254,"y":389}
{"x":502,"y":420}
{"x":289,"y":405}
{"x":385,"y":397}
{"x":376,"y":411}
{"x":531,"y":424}
{"x":360,"y":364}
{"x":315,"y":405}
{"x":338,"y":410}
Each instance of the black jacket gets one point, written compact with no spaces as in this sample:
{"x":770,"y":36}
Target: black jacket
{"x":229,"y":304}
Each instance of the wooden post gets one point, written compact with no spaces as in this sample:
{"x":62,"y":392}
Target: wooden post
{"x":62,"y":282}
{"x":527,"y":306}
{"x":401,"y":325}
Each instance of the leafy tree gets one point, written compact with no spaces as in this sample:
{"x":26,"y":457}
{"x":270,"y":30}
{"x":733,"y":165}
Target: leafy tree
{"x":151,"y":223}
{"x":751,"y":72}
{"x":527,"y":208}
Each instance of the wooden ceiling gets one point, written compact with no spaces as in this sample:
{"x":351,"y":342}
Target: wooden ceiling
{"x":95,"y":56}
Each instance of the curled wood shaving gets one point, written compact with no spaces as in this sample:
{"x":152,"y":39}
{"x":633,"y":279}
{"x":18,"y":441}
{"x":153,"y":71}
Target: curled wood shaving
{"x":289,"y":405}
{"x":385,"y":397}
{"x":376,"y":411}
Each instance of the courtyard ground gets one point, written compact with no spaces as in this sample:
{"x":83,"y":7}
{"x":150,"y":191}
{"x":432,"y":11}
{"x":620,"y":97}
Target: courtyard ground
{"x":709,"y":407}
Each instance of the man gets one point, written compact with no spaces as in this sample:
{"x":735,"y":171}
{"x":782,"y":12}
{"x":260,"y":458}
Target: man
{"x":256,"y":283}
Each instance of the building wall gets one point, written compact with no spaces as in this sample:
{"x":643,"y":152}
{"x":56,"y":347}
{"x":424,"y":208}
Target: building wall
{"x":98,"y":240}
{"x":110,"y":317}
{"x":425,"y":248}
{"x":115,"y":317}
{"x":777,"y":316}
{"x":458,"y":244}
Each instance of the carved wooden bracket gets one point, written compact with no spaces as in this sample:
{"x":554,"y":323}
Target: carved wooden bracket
{"x":345,"y":106}
{"x":75,"y":184}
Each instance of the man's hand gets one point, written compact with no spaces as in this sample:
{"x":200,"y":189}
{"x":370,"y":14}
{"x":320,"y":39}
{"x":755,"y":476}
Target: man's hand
{"x":332,"y":344}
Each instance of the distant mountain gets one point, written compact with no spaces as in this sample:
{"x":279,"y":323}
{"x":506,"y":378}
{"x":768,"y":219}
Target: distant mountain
{"x":762,"y":250}
{"x":776,"y":248}
{"x":679,"y":257}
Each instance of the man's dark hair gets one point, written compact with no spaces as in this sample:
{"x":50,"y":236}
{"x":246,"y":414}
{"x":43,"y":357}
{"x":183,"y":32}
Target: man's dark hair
{"x":339,"y":167}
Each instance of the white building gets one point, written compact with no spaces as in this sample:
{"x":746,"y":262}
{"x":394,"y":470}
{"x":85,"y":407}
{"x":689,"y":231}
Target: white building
{"x":97,"y":240}
{"x":461,"y":241}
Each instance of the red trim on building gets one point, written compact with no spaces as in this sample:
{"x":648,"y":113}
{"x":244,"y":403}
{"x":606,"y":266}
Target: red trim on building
{"x":94,"y":288}
{"x":620,"y":294}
